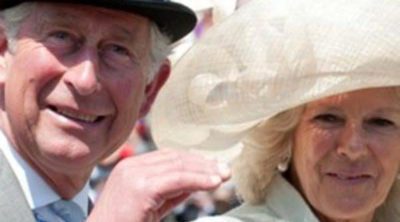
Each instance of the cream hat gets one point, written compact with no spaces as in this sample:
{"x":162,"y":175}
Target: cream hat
{"x":196,"y":5}
{"x":270,"y":56}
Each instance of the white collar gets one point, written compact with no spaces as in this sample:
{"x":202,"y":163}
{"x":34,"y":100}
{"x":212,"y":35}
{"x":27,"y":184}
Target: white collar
{"x":37,"y":192}
{"x":284,"y":198}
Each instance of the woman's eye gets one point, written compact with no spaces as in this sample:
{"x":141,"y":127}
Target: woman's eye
{"x":380,"y":122}
{"x":328,"y":118}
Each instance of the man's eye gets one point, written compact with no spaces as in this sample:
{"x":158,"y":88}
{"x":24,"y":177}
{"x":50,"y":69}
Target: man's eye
{"x":118,"y":56}
{"x":120,"y":50}
{"x":61,"y":36}
{"x":62,"y":41}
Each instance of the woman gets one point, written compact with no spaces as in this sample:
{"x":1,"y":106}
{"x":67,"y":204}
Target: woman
{"x":311,"y":92}
{"x":345,"y":159}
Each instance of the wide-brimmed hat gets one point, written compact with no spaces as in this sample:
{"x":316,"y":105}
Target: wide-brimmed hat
{"x":197,"y":5}
{"x":270,"y":56}
{"x":174,"y":19}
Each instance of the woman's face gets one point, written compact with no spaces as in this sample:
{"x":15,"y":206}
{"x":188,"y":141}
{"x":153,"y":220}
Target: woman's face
{"x":346,"y":153}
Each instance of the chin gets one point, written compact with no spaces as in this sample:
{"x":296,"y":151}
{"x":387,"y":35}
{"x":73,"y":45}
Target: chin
{"x":70,"y":160}
{"x":348,"y":209}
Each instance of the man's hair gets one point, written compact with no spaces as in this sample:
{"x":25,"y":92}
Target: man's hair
{"x":160,"y":43}
{"x":12,"y":19}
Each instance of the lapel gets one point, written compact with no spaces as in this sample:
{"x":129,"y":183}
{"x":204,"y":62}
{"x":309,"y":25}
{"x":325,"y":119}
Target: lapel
{"x":13,"y":206}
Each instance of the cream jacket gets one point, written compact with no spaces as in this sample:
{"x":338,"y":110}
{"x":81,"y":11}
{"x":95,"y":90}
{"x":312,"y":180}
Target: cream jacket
{"x":283,"y":204}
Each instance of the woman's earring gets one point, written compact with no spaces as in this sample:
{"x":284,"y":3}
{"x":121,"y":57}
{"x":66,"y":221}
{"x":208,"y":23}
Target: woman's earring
{"x":283,"y":166}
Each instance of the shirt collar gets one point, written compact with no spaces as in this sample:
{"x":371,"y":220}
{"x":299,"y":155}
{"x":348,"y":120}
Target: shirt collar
{"x":283,"y":198}
{"x":37,"y":192}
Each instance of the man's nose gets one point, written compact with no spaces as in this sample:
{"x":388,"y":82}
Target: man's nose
{"x":353,"y":142}
{"x":82,"y":76}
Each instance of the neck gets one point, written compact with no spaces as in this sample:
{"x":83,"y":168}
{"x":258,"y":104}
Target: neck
{"x":66,"y":186}
{"x":364,"y":218}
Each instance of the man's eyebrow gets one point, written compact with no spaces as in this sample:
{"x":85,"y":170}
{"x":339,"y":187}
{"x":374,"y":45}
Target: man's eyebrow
{"x":59,"y":16}
{"x":63,"y":18}
{"x":124,"y":34}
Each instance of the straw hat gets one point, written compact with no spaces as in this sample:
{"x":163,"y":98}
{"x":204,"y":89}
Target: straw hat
{"x":270,"y":56}
{"x":196,"y":5}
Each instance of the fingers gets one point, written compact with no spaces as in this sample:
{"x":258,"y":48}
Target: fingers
{"x":172,"y":183}
{"x":152,"y":184}
{"x":159,"y":163}
{"x":171,"y":173}
{"x":171,"y":203}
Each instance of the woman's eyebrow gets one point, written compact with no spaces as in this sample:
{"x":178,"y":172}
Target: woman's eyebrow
{"x":389,"y":110}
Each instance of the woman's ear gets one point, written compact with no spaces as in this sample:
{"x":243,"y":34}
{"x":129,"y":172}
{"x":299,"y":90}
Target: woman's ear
{"x":154,"y":87}
{"x":3,"y":51}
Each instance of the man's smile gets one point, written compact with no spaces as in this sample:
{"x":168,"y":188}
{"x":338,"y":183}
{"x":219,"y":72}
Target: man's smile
{"x":76,"y":115}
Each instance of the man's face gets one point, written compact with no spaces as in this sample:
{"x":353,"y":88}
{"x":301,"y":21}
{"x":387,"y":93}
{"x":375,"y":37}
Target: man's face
{"x":74,"y":85}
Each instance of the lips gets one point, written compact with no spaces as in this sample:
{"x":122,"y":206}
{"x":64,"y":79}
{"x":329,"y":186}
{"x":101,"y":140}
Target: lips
{"x":77,"y":116}
{"x":342,"y":176}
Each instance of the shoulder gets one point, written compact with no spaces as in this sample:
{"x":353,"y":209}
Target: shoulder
{"x":245,"y":213}
{"x":218,"y":219}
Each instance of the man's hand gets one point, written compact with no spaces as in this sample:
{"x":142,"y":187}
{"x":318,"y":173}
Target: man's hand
{"x":147,"y":187}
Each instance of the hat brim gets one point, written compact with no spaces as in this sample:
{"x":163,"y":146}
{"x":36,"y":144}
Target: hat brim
{"x":173,"y":19}
{"x":269,"y":57}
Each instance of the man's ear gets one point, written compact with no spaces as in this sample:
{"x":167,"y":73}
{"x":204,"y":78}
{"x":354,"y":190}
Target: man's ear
{"x":3,"y":65}
{"x":154,"y":87}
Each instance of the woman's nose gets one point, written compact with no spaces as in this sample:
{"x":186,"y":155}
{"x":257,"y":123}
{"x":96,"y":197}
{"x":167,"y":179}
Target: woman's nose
{"x":352,"y":143}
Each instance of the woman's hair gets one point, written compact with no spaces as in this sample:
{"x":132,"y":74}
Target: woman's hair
{"x":266,"y":146}
{"x":390,"y":209}
{"x":160,"y":42}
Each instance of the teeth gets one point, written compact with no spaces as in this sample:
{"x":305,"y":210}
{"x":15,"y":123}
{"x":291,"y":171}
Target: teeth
{"x":78,"y":116}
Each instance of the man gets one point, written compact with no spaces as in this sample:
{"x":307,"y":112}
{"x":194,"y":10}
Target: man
{"x":75,"y":76}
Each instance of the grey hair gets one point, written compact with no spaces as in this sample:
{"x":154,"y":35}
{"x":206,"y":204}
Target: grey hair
{"x":13,"y":17}
{"x":160,"y":49}
{"x":267,"y":145}
{"x":160,"y":42}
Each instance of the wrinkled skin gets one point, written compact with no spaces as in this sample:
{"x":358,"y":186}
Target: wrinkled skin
{"x":72,"y":87}
{"x":347,"y":152}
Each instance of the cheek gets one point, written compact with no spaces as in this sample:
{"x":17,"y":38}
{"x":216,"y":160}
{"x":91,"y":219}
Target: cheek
{"x":321,"y":144}
{"x":313,"y":145}
{"x":127,"y":97}
{"x":34,"y":68}
{"x":28,"y":77}
{"x":129,"y":93}
{"x":387,"y":154}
